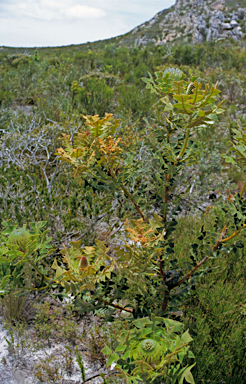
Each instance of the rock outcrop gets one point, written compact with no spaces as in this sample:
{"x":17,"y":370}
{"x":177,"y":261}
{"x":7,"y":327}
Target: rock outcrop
{"x":196,"y":20}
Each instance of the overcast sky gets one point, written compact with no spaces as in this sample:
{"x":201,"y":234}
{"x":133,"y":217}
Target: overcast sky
{"x":37,"y":23}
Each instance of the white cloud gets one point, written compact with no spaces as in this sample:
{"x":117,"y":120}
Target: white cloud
{"x":35,"y":23}
{"x":49,"y":10}
{"x":84,"y":12}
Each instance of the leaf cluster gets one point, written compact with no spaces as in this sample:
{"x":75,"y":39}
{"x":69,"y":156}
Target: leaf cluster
{"x":169,"y":348}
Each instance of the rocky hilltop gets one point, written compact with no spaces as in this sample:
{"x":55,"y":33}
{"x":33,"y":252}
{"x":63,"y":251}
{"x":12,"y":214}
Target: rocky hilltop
{"x":193,"y":21}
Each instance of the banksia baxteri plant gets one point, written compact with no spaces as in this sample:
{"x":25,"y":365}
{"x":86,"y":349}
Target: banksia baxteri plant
{"x":21,"y":238}
{"x":83,"y":262}
{"x":149,"y":350}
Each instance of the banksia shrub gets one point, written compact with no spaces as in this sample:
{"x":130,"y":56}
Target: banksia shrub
{"x":21,"y":238}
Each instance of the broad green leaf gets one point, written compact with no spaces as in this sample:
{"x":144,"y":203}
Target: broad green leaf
{"x":76,"y":244}
{"x":54,"y":265}
{"x":201,"y":113}
{"x":59,"y":272}
{"x":120,"y":348}
{"x":67,"y":287}
{"x":187,"y":375}
{"x":182,"y":98}
{"x":168,"y":107}
{"x":172,"y":323}
{"x":113,"y":357}
{"x":106,"y":350}
{"x":186,"y":338}
{"x":141,"y":323}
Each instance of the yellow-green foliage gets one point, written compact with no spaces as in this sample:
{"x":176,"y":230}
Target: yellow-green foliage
{"x":153,"y":349}
{"x":20,"y":238}
{"x":77,"y":277}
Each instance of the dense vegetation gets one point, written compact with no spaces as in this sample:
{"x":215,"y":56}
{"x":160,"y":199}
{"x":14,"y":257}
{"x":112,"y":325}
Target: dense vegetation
{"x":156,"y":160}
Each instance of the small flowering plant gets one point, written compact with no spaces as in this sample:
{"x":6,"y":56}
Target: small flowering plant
{"x":153,"y":350}
{"x":83,"y":268}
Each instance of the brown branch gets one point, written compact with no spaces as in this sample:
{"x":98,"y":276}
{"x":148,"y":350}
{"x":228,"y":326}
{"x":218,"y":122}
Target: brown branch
{"x":165,"y":300}
{"x":161,"y":269}
{"x":117,"y":306}
{"x":128,"y":194}
{"x":166,"y":291}
{"x":188,"y":275}
{"x":167,"y":180}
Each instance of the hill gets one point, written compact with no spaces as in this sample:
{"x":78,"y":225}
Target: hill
{"x":192,"y":21}
{"x":189,"y":21}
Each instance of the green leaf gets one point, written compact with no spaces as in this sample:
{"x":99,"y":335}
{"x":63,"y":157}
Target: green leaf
{"x":113,"y":357}
{"x":120,"y":348}
{"x":106,"y":350}
{"x":127,"y":354}
{"x":219,"y":111}
{"x":182,"y":98}
{"x":190,"y":354}
{"x":187,"y":375}
{"x":74,"y":290}
{"x":3,"y":259}
{"x":172,"y":323}
{"x":67,"y":286}
{"x":76,"y":244}
{"x":186,"y":338}
{"x":59,"y":272}
{"x":141,"y":323}
{"x":168,"y":107}
{"x":201,"y":113}
{"x":38,"y":225}
{"x":54,"y":265}
{"x":186,"y":107}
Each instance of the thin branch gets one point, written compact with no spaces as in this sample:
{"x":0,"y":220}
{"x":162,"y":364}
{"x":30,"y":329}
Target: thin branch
{"x":38,"y":271}
{"x":117,"y":306}
{"x":234,"y":234}
{"x":92,"y":226}
{"x":188,"y":275}
{"x":93,"y":377}
{"x":128,"y":194}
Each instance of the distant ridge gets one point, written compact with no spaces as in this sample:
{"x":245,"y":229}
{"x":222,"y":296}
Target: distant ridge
{"x":192,"y":21}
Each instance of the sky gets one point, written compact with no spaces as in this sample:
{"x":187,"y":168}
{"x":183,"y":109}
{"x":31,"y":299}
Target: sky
{"x":42,"y":23}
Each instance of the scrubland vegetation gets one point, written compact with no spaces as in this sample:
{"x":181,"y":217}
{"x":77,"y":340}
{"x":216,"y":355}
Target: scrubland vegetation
{"x":122,"y":188}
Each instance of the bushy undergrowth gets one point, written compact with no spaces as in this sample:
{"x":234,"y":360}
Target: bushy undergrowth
{"x":158,"y":173}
